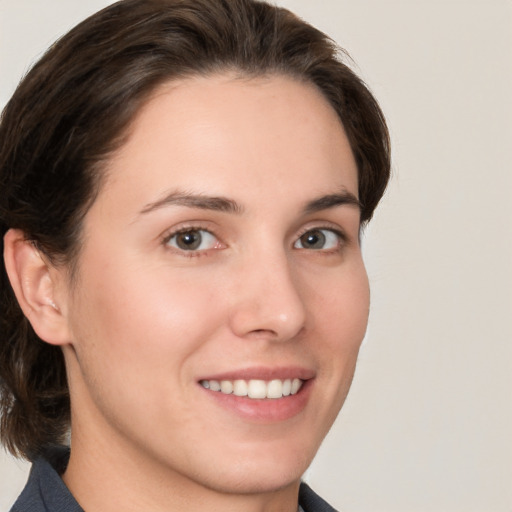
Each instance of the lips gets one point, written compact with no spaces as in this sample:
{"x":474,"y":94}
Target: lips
{"x":257,"y":389}
{"x":261,"y":394}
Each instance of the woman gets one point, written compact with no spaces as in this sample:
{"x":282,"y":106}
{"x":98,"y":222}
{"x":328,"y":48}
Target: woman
{"x":183,"y":189}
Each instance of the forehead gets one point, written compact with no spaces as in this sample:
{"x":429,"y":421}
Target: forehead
{"x":208,"y":132}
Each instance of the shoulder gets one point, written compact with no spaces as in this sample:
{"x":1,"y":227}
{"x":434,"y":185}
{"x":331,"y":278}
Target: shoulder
{"x":311,"y":502}
{"x":45,"y":491}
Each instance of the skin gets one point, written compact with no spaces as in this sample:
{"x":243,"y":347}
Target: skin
{"x":146,"y":320}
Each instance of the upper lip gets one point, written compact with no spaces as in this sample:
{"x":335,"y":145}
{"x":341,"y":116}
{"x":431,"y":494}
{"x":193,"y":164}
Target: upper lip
{"x":264,"y":373}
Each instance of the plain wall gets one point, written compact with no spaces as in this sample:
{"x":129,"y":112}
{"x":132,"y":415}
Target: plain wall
{"x":428,"y":423}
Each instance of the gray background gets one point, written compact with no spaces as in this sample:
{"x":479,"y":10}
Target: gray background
{"x":428,"y":423}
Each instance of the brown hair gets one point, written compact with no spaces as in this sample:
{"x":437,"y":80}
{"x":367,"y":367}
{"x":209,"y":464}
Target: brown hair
{"x":69,"y":114}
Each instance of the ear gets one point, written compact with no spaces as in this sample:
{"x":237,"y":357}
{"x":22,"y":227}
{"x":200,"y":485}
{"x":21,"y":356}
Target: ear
{"x":36,"y":284}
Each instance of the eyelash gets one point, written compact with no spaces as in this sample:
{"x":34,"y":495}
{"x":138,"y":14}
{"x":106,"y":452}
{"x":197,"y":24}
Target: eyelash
{"x":342,"y":239}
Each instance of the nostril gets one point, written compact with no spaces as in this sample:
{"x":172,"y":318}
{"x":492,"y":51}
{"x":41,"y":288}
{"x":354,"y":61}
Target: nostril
{"x":263,"y":332}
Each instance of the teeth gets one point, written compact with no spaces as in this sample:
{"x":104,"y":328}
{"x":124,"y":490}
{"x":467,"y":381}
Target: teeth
{"x":296,"y":385}
{"x":255,"y":389}
{"x":240,"y":388}
{"x":275,"y":389}
{"x":226,"y":386}
{"x":287,"y":387}
{"x":215,"y":385}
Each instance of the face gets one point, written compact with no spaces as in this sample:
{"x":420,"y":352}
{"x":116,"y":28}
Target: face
{"x":221,"y":297}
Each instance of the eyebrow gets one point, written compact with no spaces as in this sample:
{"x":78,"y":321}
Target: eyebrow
{"x":332,"y":201}
{"x":219,"y":204}
{"x":225,"y":205}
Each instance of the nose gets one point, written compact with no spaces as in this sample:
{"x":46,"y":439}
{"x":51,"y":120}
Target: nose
{"x":267,"y":300}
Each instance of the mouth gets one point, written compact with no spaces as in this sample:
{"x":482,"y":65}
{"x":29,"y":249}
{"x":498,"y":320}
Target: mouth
{"x":261,"y":394}
{"x":255,"y":389}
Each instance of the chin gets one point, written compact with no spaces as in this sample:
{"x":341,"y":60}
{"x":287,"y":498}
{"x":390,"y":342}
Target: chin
{"x":261,"y":473}
{"x":245,"y":483}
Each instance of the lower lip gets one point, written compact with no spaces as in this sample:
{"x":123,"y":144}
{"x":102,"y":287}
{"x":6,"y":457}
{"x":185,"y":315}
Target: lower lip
{"x":266,"y":410}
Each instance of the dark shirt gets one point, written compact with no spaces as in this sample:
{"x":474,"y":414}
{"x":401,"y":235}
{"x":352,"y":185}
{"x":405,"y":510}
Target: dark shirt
{"x":46,"y":492}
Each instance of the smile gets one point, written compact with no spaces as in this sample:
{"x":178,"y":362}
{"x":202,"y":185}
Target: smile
{"x":254,"y":388}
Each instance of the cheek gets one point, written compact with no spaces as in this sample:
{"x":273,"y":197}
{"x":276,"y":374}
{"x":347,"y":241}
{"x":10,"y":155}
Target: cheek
{"x":137,"y":336}
{"x":342,"y":304}
{"x":144,"y":321}
{"x":341,"y":318}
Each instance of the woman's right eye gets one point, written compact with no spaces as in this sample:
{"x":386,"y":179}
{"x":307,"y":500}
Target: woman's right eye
{"x":193,"y":240}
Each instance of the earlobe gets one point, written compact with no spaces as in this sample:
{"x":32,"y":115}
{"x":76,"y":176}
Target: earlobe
{"x":35,"y":283}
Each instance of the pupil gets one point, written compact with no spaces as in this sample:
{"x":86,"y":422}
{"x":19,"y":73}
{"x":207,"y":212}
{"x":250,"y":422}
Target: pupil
{"x":189,"y":240}
{"x":313,"y":239}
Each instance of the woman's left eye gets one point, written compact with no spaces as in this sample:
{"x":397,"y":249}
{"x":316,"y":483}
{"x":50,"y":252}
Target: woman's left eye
{"x":193,"y":240}
{"x":318,"y":239}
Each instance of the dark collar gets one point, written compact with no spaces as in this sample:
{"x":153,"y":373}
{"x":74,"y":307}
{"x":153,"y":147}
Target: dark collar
{"x":45,"y":491}
{"x":311,"y":502}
